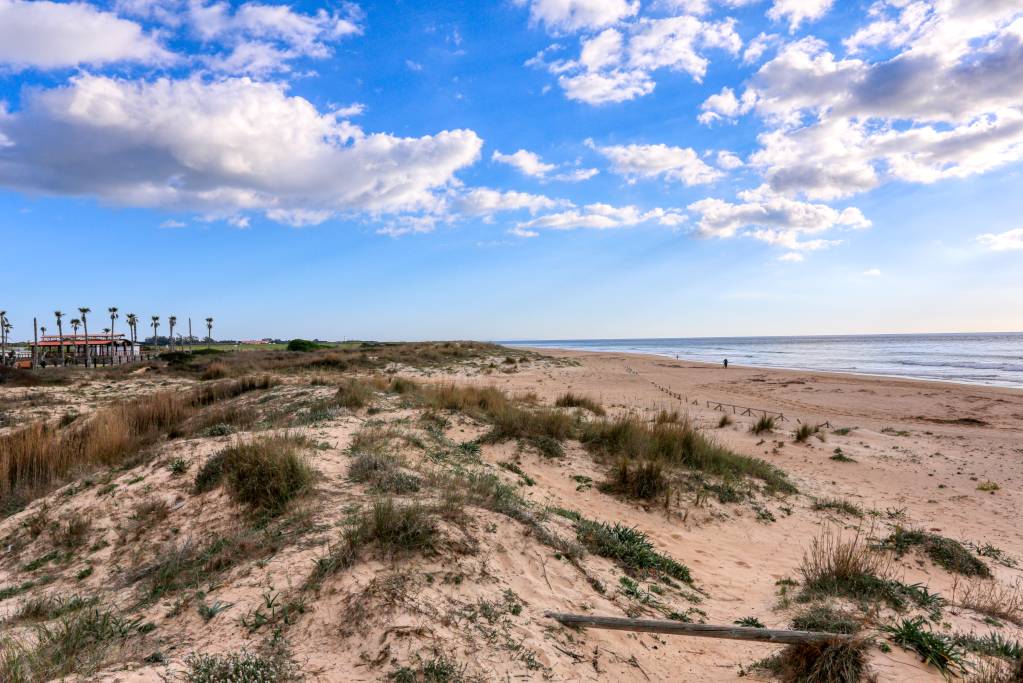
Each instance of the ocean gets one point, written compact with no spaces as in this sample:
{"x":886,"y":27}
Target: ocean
{"x":991,"y":358}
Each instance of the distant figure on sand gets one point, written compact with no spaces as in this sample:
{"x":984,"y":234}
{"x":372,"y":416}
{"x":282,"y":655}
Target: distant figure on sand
{"x":726,"y":364}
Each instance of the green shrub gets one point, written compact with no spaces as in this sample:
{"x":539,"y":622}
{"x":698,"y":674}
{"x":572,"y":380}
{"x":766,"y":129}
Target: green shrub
{"x":630,"y":548}
{"x":304,"y":345}
{"x":935,"y":649}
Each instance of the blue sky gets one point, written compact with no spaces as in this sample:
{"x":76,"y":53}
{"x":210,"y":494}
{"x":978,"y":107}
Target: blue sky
{"x":525,"y":169}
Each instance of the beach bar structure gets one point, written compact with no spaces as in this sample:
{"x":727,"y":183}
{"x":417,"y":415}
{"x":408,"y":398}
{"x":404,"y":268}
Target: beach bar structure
{"x":102,"y":349}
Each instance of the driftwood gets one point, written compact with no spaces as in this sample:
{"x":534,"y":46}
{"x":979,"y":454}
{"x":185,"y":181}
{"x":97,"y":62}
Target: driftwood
{"x":675,"y":628}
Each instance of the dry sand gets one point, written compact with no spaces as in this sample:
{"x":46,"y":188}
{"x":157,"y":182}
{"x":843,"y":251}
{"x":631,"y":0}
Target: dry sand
{"x":920,"y":448}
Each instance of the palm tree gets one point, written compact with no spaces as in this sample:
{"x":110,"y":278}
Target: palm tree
{"x":209,"y":332}
{"x":172,"y":321}
{"x":156,"y":326}
{"x":60,"y":333}
{"x":84,"y":311}
{"x":3,"y":337}
{"x":6,"y":335}
{"x":133,"y":321}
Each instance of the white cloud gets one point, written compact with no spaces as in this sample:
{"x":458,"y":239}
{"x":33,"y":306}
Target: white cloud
{"x":527,"y":162}
{"x":791,"y":257}
{"x":839,"y":126}
{"x":530,"y":164}
{"x":484,"y":201}
{"x":605,"y":87}
{"x":725,"y":105}
{"x":251,"y":38}
{"x":798,"y":11}
{"x":599,"y":217}
{"x":681,"y":164}
{"x":758,"y":46}
{"x":576,"y":175}
{"x":225,"y":146}
{"x":872,"y":272}
{"x":1010,"y":240}
{"x":49,"y":35}
{"x":173,"y":224}
{"x":574,"y":15}
{"x":774,"y":219}
{"x":728,"y":161}
{"x":413,"y":66}
{"x":617,"y":64}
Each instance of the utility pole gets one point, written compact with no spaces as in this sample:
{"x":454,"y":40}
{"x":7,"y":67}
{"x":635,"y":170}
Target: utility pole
{"x":35,"y":337}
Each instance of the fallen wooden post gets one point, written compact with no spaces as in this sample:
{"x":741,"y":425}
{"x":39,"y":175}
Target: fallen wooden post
{"x":675,"y":628}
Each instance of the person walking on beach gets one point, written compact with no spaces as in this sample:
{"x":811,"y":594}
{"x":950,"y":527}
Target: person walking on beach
{"x":726,"y":364}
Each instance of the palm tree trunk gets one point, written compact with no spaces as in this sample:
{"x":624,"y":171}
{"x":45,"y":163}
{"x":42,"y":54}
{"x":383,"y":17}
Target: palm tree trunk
{"x":85,"y":324}
{"x":60,"y":333}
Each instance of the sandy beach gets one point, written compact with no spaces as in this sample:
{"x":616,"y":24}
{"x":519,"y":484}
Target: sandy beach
{"x":939,"y":457}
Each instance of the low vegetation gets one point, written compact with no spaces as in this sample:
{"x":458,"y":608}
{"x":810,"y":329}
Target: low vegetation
{"x":79,"y":644}
{"x":826,"y":618}
{"x":570,"y":400}
{"x":36,"y":458}
{"x":630,"y":548}
{"x":838,"y":505}
{"x":837,"y":661}
{"x":265,"y":474}
{"x":934,"y":648}
{"x":945,"y":552}
{"x":764,"y":424}
{"x":805,"y":431}
{"x":848,"y":567}
{"x":644,"y":480}
{"x":991,"y":598}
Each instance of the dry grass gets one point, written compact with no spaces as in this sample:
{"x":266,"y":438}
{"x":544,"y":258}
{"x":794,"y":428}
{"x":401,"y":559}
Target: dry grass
{"x":678,"y":444}
{"x":36,"y":458}
{"x":990,"y":598}
{"x":644,"y":480}
{"x":570,"y":400}
{"x":838,"y":661}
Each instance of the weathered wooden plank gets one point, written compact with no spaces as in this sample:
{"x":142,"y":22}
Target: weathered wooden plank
{"x":676,"y":628}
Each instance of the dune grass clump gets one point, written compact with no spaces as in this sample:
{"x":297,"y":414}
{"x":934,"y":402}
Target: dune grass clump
{"x":826,"y":618}
{"x":395,"y":528}
{"x":353,"y":394}
{"x":264,"y":474}
{"x":630,"y":548}
{"x":724,"y":421}
{"x":644,"y":480}
{"x":78,"y":643}
{"x":544,"y":428}
{"x":570,"y":400}
{"x":848,"y":567}
{"x":991,"y":644}
{"x":838,"y":505}
{"x":764,"y":424}
{"x":836,"y":661}
{"x":383,"y":473}
{"x":945,"y":552}
{"x":678,"y":444}
{"x":35,"y":459}
{"x":805,"y":431}
{"x":935,"y":649}
{"x":267,"y":473}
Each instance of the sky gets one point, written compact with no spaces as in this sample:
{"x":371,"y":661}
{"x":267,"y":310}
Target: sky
{"x":524,"y":169}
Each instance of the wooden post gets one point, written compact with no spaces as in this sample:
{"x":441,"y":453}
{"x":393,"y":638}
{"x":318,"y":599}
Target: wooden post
{"x":676,"y":628}
{"x":35,"y":337}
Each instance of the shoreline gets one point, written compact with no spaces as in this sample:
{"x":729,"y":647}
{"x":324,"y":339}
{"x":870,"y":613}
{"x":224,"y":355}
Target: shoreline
{"x":737,"y":366}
